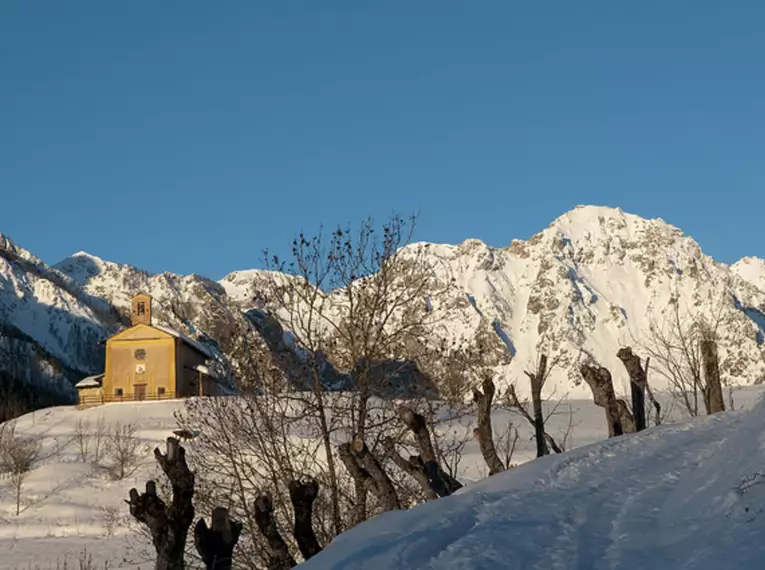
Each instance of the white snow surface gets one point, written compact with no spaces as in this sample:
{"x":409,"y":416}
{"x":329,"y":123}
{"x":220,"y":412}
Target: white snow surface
{"x":751,"y":269}
{"x":576,"y":510}
{"x":65,"y":501}
{"x":684,"y":496}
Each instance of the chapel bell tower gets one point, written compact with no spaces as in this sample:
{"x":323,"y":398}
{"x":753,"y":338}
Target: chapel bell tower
{"x":140,"y":312}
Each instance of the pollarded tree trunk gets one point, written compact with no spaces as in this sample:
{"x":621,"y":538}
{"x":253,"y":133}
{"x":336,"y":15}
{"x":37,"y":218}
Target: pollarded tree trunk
{"x":279,"y":557}
{"x":367,"y":460}
{"x":600,"y":382}
{"x":303,"y":494}
{"x":654,"y":401}
{"x":215,"y":544}
{"x":713,"y":395}
{"x":168,"y":524}
{"x":483,"y":401}
{"x":452,"y":485}
{"x":638,"y":384}
{"x":626,"y":417}
{"x":419,"y":427}
{"x":537,"y":382}
{"x":367,"y":472}
{"x":413,"y":467}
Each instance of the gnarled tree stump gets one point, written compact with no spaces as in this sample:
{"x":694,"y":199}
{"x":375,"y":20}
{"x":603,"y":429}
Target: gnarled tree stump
{"x":168,"y":524}
{"x":215,"y":544}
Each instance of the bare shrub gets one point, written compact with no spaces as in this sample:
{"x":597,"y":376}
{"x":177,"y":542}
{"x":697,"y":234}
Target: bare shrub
{"x":100,"y":432}
{"x":17,"y":456}
{"x":111,"y":519}
{"x":89,"y":440}
{"x":82,"y":439}
{"x":533,"y":412}
{"x":674,"y":345}
{"x":124,"y":449}
{"x":507,"y":441}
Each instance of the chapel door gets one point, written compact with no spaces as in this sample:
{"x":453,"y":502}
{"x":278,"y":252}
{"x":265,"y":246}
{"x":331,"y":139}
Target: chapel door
{"x":139,"y":391}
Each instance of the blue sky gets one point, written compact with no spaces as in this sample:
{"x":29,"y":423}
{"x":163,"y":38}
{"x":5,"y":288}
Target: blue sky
{"x":187,"y":136}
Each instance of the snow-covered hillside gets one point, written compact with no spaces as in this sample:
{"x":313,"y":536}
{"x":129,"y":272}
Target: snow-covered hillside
{"x":591,"y":282}
{"x":69,"y":504}
{"x":681,"y":496}
{"x":558,"y":512}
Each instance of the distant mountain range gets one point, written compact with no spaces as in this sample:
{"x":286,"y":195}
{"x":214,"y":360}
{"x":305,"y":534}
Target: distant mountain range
{"x":589,"y":283}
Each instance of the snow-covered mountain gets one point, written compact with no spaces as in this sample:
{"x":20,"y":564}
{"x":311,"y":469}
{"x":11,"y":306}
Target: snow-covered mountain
{"x":590,"y":283}
{"x":53,"y":318}
{"x":49,"y":326}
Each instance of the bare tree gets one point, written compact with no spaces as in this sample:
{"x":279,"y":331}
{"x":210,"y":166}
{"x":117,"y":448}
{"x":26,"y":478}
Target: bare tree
{"x":359,"y":301}
{"x":279,"y":557}
{"x":507,"y":440}
{"x":215,"y":544}
{"x":533,"y":412}
{"x":100,"y":433}
{"x":440,"y":484}
{"x":483,"y":400}
{"x":349,"y":312}
{"x":303,"y":493}
{"x":256,"y":444}
{"x":674,"y":346}
{"x":411,"y":467}
{"x":618,"y":416}
{"x":464,"y":369}
{"x":366,"y":471}
{"x":713,"y":395}
{"x":638,"y":384}
{"x":17,"y":456}
{"x":344,"y":329}
{"x":123,"y":448}
{"x":537,"y":379}
{"x":82,"y":439}
{"x":168,"y":524}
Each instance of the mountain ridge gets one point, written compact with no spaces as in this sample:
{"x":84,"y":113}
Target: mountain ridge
{"x":587,"y":284}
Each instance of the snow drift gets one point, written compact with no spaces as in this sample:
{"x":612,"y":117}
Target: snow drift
{"x":686,"y":495}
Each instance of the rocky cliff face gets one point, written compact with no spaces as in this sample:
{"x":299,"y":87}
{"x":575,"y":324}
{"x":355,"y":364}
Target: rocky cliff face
{"x":590,"y":283}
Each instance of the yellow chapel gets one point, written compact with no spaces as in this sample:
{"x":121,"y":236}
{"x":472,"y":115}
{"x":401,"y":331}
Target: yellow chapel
{"x":149,"y":362}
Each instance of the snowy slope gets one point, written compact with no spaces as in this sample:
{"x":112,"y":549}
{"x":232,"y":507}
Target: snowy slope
{"x":681,"y":496}
{"x":66,"y":502}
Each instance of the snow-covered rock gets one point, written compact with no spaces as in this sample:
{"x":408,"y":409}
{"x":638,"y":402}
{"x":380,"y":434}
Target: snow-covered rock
{"x":752,"y":270}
